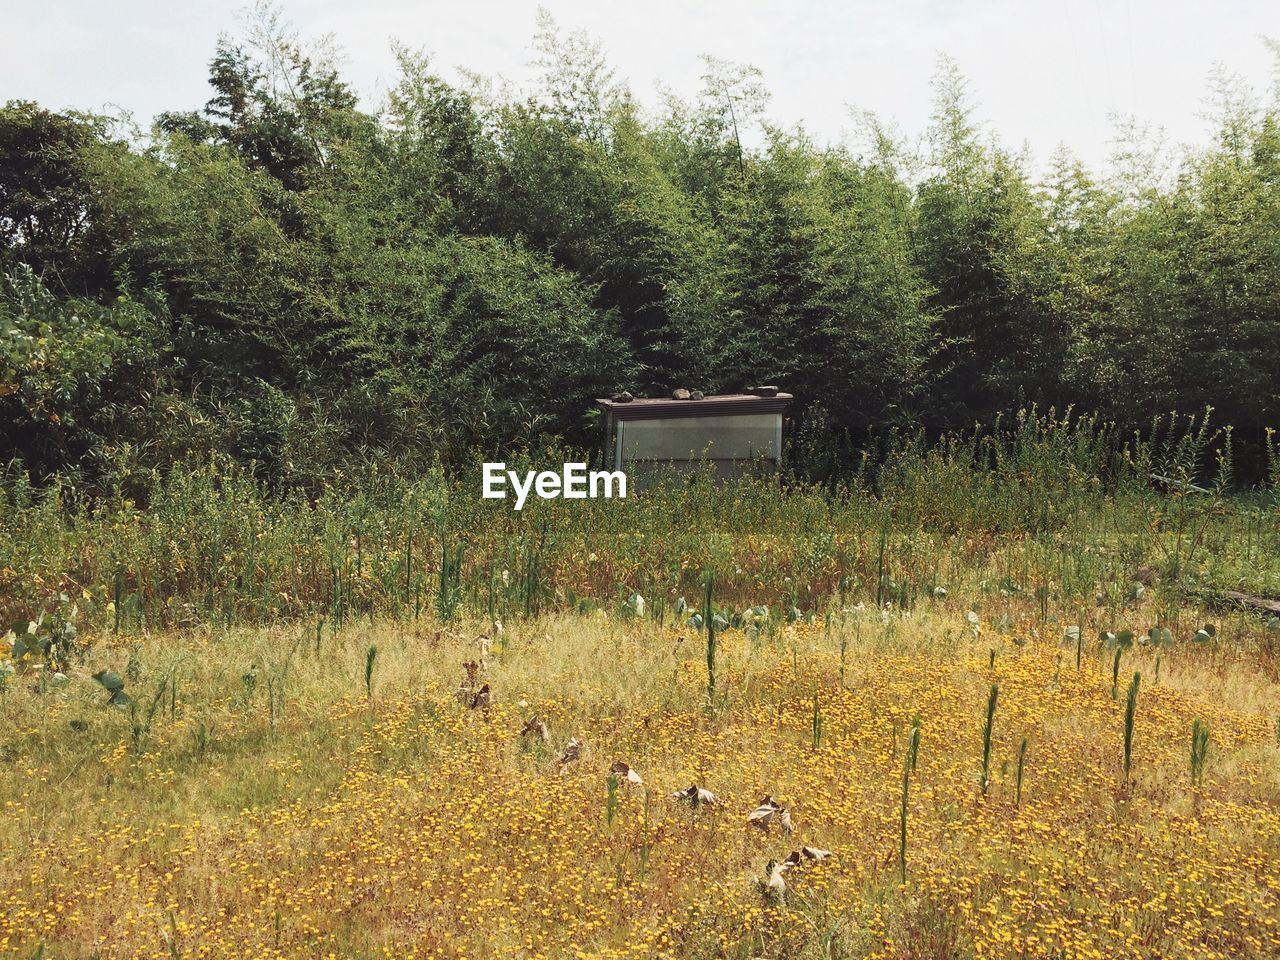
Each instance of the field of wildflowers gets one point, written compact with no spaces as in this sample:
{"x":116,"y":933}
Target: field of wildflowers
{"x":270,"y":807}
{"x":974,"y":715}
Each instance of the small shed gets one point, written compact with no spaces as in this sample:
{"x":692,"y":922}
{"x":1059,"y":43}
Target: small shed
{"x":737,"y":434}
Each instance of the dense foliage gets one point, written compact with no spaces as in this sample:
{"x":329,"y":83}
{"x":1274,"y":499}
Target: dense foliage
{"x":290,"y":279}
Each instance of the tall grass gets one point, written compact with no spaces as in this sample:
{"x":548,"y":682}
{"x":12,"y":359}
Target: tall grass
{"x":1130,"y":714}
{"x":709,"y":623}
{"x":209,"y":544}
{"x":449,"y":594}
{"x":1199,"y":750}
{"x":987,"y":727}
{"x":370,"y":658}
{"x":908,"y":768}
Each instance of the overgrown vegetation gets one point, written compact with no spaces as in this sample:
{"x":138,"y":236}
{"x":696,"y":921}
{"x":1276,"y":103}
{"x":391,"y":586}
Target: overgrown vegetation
{"x":276,"y":681}
{"x":1057,"y":510}
{"x":256,"y":800}
{"x":286,"y":278}
{"x":237,"y":682}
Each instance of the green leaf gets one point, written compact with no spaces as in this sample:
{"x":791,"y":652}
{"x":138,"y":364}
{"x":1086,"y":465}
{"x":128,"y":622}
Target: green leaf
{"x":111,"y":680}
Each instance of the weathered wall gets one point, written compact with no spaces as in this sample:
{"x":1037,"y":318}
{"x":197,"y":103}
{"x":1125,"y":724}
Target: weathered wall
{"x":738,"y":437}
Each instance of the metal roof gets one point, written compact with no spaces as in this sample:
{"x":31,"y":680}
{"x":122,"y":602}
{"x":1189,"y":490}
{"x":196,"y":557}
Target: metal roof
{"x":721,"y":405}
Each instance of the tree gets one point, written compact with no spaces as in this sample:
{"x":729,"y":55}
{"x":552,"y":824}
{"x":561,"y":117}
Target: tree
{"x":72,"y":375}
{"x":486,"y":343}
{"x":48,"y":212}
{"x":275,"y":102}
{"x":980,"y":246}
{"x":821,"y":294}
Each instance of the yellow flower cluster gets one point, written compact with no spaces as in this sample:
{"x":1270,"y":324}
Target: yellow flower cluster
{"x":411,"y":826}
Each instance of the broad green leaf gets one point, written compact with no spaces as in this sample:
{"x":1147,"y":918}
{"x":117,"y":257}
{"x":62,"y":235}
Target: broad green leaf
{"x":111,"y":680}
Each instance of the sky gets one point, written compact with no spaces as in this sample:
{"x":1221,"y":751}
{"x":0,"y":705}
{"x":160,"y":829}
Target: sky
{"x":1042,"y":72}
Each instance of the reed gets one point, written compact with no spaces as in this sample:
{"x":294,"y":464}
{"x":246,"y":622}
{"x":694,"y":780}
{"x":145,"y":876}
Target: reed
{"x":449,"y":593}
{"x":610,"y":799}
{"x":1130,"y":714}
{"x":908,"y":768}
{"x":369,"y":658}
{"x":140,"y":721}
{"x":709,"y":623}
{"x":987,"y":727}
{"x":1199,"y":750}
{"x":880,"y":562}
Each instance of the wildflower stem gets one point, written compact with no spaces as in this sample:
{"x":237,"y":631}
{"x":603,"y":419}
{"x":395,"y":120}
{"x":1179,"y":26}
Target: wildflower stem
{"x":1130,"y":711}
{"x":908,"y":766}
{"x":369,"y":659}
{"x":986,"y":736}
{"x":708,"y":621}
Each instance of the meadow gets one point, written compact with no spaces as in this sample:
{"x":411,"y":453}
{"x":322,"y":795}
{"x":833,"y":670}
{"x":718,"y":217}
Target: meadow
{"x":1010,"y":694}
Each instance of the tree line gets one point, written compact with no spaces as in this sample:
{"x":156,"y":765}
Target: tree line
{"x":295,"y":281}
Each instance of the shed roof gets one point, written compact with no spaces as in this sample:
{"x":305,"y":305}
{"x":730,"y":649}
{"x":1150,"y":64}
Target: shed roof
{"x":722,"y":405}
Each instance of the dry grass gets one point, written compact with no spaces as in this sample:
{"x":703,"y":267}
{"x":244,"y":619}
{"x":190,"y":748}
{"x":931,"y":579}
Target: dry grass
{"x":409,"y":825}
